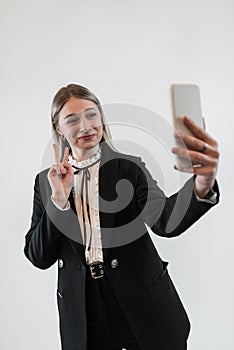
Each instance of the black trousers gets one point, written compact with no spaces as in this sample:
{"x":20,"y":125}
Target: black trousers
{"x":107,"y":326}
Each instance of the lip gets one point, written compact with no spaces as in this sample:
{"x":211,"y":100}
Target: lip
{"x":87,"y":137}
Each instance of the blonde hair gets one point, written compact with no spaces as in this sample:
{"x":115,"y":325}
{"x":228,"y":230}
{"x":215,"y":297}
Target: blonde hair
{"x":59,"y":100}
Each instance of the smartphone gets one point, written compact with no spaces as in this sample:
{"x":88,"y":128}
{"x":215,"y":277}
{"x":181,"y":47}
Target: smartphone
{"x":185,"y":100}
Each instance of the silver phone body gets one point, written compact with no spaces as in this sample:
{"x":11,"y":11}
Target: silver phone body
{"x":186,"y":101}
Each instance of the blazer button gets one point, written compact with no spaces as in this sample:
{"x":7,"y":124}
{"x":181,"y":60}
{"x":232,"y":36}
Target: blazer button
{"x":114,"y":263}
{"x":60,"y":263}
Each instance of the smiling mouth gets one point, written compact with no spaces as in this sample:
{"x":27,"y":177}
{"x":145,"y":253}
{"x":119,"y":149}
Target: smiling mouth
{"x":86,"y":137}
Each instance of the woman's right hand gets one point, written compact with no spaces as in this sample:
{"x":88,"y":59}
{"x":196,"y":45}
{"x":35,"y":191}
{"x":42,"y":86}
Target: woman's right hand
{"x":61,"y":177}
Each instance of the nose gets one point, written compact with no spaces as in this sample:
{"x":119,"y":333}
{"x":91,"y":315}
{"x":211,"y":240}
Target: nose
{"x":84,"y":124}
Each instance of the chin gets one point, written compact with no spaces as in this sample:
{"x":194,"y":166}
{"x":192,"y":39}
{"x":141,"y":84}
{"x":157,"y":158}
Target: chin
{"x":91,"y":145}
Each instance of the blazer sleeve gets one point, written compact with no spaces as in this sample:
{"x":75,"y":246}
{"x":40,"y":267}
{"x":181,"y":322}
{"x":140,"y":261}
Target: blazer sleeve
{"x":169,"y":216}
{"x":48,"y":223}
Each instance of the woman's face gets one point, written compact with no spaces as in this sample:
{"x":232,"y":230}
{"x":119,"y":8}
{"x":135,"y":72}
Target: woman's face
{"x":80,"y":122}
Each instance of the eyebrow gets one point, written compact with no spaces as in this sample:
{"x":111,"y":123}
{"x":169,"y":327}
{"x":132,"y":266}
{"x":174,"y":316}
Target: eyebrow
{"x":85,"y":110}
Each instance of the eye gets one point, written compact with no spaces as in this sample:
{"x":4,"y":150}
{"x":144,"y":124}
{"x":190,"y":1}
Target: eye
{"x":72,"y":121}
{"x":91,"y":115}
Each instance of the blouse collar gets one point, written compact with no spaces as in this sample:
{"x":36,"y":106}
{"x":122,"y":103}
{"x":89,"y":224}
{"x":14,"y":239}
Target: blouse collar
{"x":85,"y":162}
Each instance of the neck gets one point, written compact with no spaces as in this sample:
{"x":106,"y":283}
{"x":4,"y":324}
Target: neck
{"x":80,"y":155}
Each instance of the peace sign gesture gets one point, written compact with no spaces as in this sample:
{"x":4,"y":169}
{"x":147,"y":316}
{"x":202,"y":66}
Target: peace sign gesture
{"x":61,"y":177}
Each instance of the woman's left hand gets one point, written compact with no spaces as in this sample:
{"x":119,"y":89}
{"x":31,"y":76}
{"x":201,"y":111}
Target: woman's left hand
{"x":202,"y":150}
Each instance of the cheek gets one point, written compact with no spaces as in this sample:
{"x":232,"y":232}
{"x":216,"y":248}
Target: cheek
{"x":71,"y":135}
{"x":100,"y":130}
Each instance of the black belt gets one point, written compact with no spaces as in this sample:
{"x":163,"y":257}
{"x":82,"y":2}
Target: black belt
{"x":97,"y":270}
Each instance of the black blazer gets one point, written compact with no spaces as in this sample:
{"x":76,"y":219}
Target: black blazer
{"x":141,"y":280}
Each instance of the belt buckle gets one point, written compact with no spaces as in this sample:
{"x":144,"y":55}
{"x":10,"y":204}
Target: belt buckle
{"x":97,"y":270}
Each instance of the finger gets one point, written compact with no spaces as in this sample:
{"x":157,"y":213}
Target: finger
{"x":198,"y":131}
{"x":205,"y":171}
{"x":188,"y":141}
{"x":195,"y":144}
{"x":195,"y":157}
{"x":65,"y":155}
{"x":58,"y":169}
{"x":56,"y":153}
{"x":55,"y":169}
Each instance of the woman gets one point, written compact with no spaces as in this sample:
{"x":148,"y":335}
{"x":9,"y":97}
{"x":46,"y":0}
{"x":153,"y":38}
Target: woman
{"x":114,"y":291}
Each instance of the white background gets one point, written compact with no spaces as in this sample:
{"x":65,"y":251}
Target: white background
{"x":126,"y":52}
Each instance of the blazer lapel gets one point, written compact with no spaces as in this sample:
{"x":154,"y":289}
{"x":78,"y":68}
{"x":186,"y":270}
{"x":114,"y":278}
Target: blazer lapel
{"x":108,"y":178}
